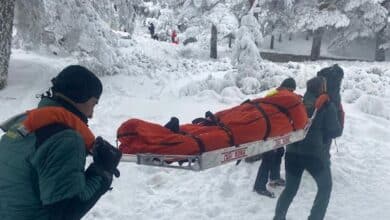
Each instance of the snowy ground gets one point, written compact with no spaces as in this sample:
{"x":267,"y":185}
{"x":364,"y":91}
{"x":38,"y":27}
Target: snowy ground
{"x":153,"y":92}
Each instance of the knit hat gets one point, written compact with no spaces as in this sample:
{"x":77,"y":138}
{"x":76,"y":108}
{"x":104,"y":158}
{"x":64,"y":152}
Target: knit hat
{"x":288,"y":83}
{"x":77,"y":83}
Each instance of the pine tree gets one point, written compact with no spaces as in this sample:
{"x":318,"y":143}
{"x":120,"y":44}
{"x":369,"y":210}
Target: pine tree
{"x":6,"y":23}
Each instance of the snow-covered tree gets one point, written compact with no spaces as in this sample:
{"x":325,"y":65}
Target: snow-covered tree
{"x":246,"y":55}
{"x":316,"y":16}
{"x":275,"y":17}
{"x":192,"y":19}
{"x":369,"y":19}
{"x":83,"y":29}
{"x":6,"y":23}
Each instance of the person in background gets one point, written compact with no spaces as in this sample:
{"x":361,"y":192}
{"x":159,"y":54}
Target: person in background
{"x":43,"y":153}
{"x":174,"y":37}
{"x":151,"y":30}
{"x":312,"y":153}
{"x":270,"y":164}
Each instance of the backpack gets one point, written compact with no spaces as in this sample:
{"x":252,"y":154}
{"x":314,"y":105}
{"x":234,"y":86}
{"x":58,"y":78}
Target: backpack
{"x":334,"y":75}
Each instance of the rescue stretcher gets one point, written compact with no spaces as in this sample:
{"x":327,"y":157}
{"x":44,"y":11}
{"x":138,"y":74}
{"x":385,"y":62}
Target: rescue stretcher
{"x":274,"y":125}
{"x":218,"y":157}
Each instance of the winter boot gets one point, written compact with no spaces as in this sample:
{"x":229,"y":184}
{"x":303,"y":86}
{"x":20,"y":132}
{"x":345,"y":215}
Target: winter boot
{"x":276,"y":183}
{"x":173,"y":125}
{"x":265,"y":192}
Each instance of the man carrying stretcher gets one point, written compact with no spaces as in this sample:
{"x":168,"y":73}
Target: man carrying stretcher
{"x":271,"y":160}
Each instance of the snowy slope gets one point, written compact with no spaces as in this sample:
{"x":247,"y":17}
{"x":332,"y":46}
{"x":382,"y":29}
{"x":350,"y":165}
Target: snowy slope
{"x":152,"y":91}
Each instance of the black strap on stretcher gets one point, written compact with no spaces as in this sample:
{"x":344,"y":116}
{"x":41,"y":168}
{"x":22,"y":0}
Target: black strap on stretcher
{"x":284,"y":111}
{"x":197,"y":139}
{"x":217,"y":122}
{"x":265,"y":116}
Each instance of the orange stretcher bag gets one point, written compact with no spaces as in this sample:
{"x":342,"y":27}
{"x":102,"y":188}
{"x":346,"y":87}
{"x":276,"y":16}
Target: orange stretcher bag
{"x":253,"y":120}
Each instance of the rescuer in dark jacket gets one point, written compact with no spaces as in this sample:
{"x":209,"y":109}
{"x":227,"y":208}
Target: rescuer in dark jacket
{"x":312,"y":153}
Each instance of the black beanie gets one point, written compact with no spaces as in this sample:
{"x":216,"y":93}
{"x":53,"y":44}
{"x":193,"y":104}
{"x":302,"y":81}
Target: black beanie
{"x":288,"y":83}
{"x":77,"y":83}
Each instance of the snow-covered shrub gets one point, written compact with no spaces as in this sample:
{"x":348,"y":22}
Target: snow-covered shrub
{"x":207,"y":95}
{"x":191,"y":51}
{"x":270,"y":76}
{"x":362,"y":79}
{"x":211,"y":83}
{"x":351,"y":95}
{"x":231,"y":92}
{"x":374,"y":106}
{"x":249,"y":85}
{"x":376,"y":71}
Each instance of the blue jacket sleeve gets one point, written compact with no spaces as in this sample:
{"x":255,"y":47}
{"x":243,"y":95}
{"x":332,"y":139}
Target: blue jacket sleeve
{"x":60,"y":163}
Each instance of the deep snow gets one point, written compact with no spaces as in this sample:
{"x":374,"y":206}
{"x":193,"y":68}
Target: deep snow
{"x":153,"y":91}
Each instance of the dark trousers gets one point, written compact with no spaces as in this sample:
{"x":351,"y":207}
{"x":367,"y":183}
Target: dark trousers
{"x":269,"y":168}
{"x":319,"y":170}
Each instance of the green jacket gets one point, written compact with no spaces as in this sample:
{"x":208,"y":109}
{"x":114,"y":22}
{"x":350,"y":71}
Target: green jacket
{"x":35,"y":180}
{"x":325,"y":127}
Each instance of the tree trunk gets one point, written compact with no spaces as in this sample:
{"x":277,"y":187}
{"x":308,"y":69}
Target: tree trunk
{"x":380,"y":39}
{"x":213,"y":42}
{"x":251,"y":2}
{"x":280,"y":38}
{"x":6,"y":23}
{"x":290,"y":36}
{"x":316,"y":46}
{"x":307,"y":35}
{"x":272,"y":42}
{"x":230,"y":40}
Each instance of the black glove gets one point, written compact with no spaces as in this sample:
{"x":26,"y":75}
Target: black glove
{"x":106,"y":156}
